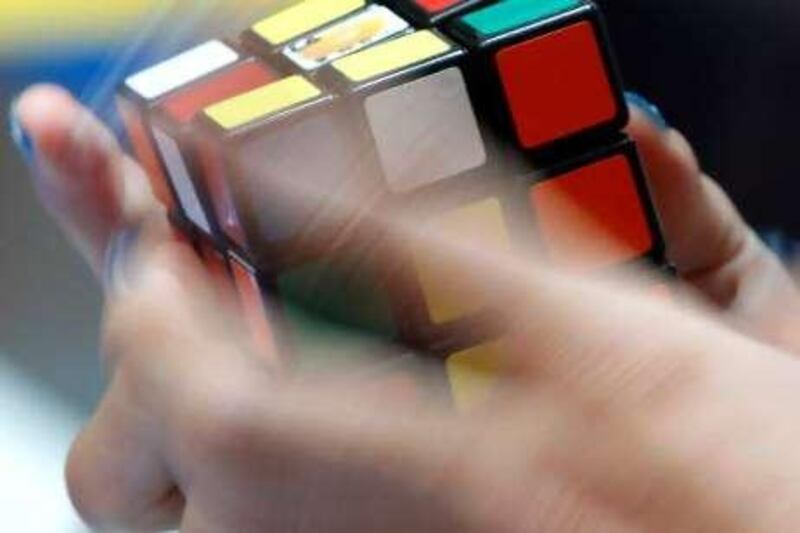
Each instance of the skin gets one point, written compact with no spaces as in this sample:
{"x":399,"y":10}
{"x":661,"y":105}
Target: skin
{"x":655,"y":417}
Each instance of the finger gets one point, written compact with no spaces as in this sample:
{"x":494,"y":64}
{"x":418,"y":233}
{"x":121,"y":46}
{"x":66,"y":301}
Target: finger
{"x":117,"y":472}
{"x":82,"y":176}
{"x":707,"y":239}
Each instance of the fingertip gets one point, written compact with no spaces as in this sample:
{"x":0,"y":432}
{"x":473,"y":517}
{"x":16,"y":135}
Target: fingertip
{"x":45,"y":113}
{"x":683,"y":153}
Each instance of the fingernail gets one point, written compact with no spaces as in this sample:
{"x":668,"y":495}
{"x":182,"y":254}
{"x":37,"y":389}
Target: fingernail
{"x":781,"y":244}
{"x":118,"y":259}
{"x":650,"y":110}
{"x":20,"y":137}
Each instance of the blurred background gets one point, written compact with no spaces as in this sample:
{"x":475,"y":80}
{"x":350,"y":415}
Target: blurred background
{"x":727,"y":73}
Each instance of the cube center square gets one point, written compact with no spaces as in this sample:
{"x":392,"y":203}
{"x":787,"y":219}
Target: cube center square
{"x":490,"y":127}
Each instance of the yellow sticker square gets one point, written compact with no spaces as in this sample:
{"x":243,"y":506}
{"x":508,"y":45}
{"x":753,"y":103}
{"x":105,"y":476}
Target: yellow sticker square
{"x":262,"y":102}
{"x":449,"y":296}
{"x":302,"y":18}
{"x":392,"y":55}
{"x":473,"y":374}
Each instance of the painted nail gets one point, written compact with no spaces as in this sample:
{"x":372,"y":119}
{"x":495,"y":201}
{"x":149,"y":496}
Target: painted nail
{"x":18,"y":134}
{"x":117,"y":268}
{"x":650,"y":110}
{"x":784,"y":246}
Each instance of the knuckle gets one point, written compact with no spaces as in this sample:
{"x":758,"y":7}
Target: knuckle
{"x":93,"y":499}
{"x":217,"y":421}
{"x":134,"y":326}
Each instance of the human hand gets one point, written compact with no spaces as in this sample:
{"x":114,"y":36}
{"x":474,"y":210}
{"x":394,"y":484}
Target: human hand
{"x":194,"y":429}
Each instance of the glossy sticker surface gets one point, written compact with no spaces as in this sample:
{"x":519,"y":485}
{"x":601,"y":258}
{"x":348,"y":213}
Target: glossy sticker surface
{"x":425,"y":130}
{"x":556,"y":85}
{"x":448,"y":295}
{"x":392,"y":55}
{"x":262,"y":102}
{"x":189,"y":66}
{"x":592,"y":218}
{"x":508,"y":15}
{"x":184,"y":104}
{"x":364,"y":29}
{"x":436,"y":6}
{"x":472,"y":374}
{"x":303,"y":17}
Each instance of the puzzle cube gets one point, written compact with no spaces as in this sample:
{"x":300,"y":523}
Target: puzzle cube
{"x":499,"y":122}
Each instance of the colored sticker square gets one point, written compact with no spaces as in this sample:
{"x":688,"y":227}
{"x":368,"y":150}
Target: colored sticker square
{"x":262,"y":102}
{"x":181,"y":180}
{"x":374,"y":24}
{"x":593,"y":217}
{"x":447,"y":294}
{"x":392,"y":55}
{"x":254,"y":309}
{"x":437,"y":6}
{"x":342,"y":293}
{"x":473,"y":373}
{"x":425,"y":130}
{"x":335,"y":312}
{"x":312,"y":173}
{"x":215,"y":174}
{"x":556,"y":85}
{"x":146,"y":153}
{"x":182,"y":69}
{"x":507,"y":15}
{"x":183,"y":105}
{"x":303,"y":17}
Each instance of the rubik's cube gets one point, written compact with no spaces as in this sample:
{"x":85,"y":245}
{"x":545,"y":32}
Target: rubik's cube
{"x":500,"y":120}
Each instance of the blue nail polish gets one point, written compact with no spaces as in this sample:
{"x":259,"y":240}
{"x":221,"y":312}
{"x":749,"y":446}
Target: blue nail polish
{"x":781,"y":244}
{"x":19,"y":135}
{"x":118,"y":257}
{"x":651,"y":111}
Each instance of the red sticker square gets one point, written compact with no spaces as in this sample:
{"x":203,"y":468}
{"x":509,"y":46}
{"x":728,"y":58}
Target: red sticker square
{"x":435,"y":6}
{"x":592,"y":217}
{"x":186,"y":103}
{"x":556,"y":85}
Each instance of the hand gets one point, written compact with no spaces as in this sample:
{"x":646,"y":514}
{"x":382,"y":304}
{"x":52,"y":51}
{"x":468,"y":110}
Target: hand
{"x":651,"y":418}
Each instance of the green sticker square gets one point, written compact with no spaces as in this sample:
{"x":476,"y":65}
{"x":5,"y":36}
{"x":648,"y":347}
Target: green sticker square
{"x":508,"y":15}
{"x":335,"y":308}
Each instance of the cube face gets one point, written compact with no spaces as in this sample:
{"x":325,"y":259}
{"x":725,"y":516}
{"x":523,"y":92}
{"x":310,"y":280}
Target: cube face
{"x":232,"y":148}
{"x":593,"y":217}
{"x":173,"y":136}
{"x":563,"y":66}
{"x":145,"y":92}
{"x":425,"y":131}
{"x":494,"y":123}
